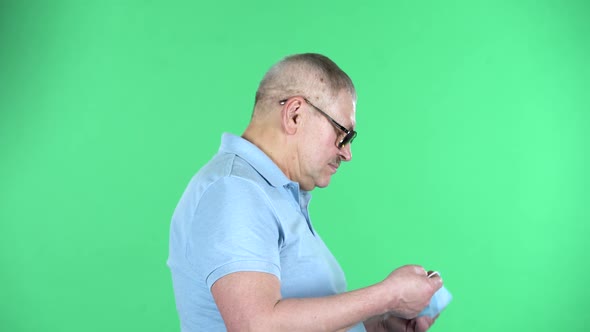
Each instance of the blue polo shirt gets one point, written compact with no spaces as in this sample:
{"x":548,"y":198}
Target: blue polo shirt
{"x":241,"y":213}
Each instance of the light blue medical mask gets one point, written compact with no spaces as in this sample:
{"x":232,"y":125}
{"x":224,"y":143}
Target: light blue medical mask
{"x":438,"y":302}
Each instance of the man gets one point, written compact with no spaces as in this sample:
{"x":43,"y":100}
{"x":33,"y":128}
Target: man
{"x":244,"y":255}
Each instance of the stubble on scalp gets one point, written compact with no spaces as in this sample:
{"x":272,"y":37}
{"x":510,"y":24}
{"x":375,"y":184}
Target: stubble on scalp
{"x":311,"y":75}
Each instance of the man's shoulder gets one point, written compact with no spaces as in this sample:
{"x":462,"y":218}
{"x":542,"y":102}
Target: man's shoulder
{"x":229,"y":165}
{"x":230,"y":169}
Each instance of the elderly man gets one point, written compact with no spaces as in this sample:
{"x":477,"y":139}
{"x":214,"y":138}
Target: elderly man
{"x":244,"y":255}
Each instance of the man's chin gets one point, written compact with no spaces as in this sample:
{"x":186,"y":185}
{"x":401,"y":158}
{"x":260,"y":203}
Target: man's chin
{"x":323,"y":183}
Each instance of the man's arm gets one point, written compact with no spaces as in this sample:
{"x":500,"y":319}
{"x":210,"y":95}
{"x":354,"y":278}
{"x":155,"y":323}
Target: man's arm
{"x":251,"y":301}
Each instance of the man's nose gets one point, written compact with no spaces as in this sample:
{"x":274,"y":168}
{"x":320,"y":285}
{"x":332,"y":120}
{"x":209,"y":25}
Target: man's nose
{"x":346,"y":153}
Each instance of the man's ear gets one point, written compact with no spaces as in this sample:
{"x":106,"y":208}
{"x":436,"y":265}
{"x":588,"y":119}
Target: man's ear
{"x":291,"y":115}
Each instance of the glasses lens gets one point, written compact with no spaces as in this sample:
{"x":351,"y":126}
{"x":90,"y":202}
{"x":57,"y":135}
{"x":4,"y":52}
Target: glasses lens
{"x":347,"y":139}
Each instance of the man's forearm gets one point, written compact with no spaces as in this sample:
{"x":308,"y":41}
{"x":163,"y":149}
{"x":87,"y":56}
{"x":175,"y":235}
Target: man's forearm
{"x":332,"y":313}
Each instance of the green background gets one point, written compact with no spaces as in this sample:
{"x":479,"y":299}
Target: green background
{"x":472,"y":156}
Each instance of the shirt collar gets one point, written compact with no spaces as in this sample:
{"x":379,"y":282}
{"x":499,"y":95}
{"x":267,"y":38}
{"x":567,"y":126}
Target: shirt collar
{"x":241,"y":147}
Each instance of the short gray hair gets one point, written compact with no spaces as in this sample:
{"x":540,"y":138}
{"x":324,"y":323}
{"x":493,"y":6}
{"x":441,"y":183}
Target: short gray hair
{"x":304,"y":74}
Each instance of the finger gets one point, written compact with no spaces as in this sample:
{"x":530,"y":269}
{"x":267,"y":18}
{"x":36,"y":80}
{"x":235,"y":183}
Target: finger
{"x":437,"y":281}
{"x":423,"y":323}
{"x":420,"y":270}
{"x":435,"y":276}
{"x":393,"y":323}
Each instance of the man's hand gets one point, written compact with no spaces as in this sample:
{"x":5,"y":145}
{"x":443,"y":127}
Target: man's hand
{"x":420,"y":324}
{"x":389,"y":323}
{"x":412,"y":288}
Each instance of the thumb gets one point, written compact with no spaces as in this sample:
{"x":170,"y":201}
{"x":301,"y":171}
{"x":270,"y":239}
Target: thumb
{"x":419,"y":270}
{"x":435,"y":280}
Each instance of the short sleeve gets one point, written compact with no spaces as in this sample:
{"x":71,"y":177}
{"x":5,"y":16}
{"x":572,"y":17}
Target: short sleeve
{"x":234,"y":228}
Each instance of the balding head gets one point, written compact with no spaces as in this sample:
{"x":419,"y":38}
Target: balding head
{"x":298,"y":104}
{"x":311,"y":75}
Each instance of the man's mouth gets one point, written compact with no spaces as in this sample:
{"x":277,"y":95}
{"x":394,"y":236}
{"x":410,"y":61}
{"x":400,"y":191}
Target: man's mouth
{"x":334,"y":166}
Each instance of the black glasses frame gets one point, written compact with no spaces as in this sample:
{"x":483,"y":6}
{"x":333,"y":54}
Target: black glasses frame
{"x":350,"y":134}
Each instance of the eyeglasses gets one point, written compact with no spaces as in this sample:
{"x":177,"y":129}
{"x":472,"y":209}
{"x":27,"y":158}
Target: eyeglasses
{"x":349,"y":134}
